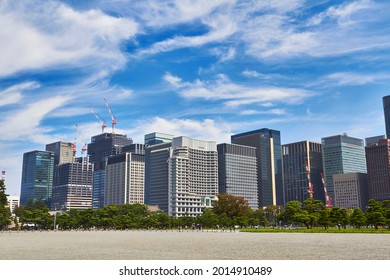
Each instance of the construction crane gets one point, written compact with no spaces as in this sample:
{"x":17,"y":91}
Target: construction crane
{"x":84,"y":148}
{"x":103,"y":122}
{"x":310,"y":191}
{"x":3,"y":175}
{"x":74,"y":149}
{"x":113,"y":119}
{"x":328,"y":199}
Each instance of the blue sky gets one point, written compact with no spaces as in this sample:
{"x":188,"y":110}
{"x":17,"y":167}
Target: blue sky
{"x":204,"y":69}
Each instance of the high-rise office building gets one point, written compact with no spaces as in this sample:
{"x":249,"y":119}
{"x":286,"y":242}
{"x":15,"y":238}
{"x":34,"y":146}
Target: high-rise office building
{"x":157,"y":138}
{"x":192,"y":176}
{"x":37,"y":177}
{"x":63,"y":151}
{"x":101,"y":147}
{"x":157,"y":152}
{"x":72,"y":188}
{"x":269,"y":163}
{"x":125,"y":179}
{"x":386,"y":109}
{"x":237,"y":172}
{"x":378,"y":169}
{"x":342,"y":154}
{"x":350,"y":190}
{"x":296,"y":157}
{"x":374,"y":140}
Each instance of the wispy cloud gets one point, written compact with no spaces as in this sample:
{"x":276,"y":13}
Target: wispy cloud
{"x":233,"y":94}
{"x":37,"y":35}
{"x":355,"y":79}
{"x":13,"y":94}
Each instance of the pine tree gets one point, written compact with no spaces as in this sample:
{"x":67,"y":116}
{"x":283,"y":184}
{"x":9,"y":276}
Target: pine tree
{"x":4,"y":211}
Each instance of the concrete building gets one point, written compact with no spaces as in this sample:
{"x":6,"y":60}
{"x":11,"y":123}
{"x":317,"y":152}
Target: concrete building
{"x":378,"y":169}
{"x":342,"y":154}
{"x":101,"y":147}
{"x":237,"y":172}
{"x":374,"y":140}
{"x":13,"y":201}
{"x":192,"y":176}
{"x":350,"y":190}
{"x":63,"y":151}
{"x":72,"y":187}
{"x":269,"y":163}
{"x":386,"y":110}
{"x":125,"y":179}
{"x":295,"y":157}
{"x":37,"y":177}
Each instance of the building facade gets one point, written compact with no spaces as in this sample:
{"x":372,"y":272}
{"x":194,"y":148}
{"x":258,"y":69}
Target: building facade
{"x":269,"y":163}
{"x":72,"y":187}
{"x":350,"y":190}
{"x":192,"y":176}
{"x":237,"y":172}
{"x":63,"y":151}
{"x":378,"y":169}
{"x":386,"y":110}
{"x":101,"y":147}
{"x":296,"y":158}
{"x":342,"y":154}
{"x":157,"y":138}
{"x":37,"y":177}
{"x":156,"y":175}
{"x":13,"y":201}
{"x":125,"y":179}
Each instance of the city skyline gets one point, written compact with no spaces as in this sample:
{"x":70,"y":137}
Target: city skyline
{"x":201,"y":69}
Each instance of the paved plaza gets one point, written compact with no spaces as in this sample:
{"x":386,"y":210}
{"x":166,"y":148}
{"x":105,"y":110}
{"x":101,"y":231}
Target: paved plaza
{"x":173,"y":245}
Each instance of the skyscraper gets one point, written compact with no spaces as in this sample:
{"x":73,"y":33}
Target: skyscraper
{"x":295,"y":158}
{"x":157,"y":152}
{"x":125,"y":179}
{"x":63,"y":151}
{"x":101,"y":147}
{"x":386,"y":109}
{"x":342,"y":154}
{"x":192,"y":176}
{"x":350,"y":190}
{"x":37,"y":177}
{"x":237,"y":172}
{"x":72,"y":188}
{"x":378,"y":169}
{"x":269,"y":163}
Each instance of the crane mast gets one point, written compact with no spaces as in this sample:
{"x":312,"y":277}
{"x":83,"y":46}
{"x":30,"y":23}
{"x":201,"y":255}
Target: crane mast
{"x":84,"y":147}
{"x":310,"y":190}
{"x":113,"y":118}
{"x":102,"y":122}
{"x":328,"y":199}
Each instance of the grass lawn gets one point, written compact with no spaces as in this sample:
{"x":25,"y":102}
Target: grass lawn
{"x":319,"y":230}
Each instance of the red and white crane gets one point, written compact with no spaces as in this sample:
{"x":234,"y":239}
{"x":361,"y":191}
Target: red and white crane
{"x":113,"y":118}
{"x":102,"y":122}
{"x":310,"y":190}
{"x":328,"y":199}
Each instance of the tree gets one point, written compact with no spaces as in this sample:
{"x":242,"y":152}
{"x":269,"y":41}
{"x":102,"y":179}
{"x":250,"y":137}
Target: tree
{"x":232,"y":206}
{"x":357,"y":218}
{"x":5,"y":214}
{"x":324,"y":219}
{"x":295,"y":214}
{"x":313,"y":208}
{"x":374,"y":214}
{"x":339,"y":216}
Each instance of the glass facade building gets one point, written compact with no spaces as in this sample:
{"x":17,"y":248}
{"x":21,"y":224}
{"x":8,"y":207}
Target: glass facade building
{"x":269,"y":163}
{"x":386,"y":109}
{"x":295,"y":158}
{"x":37,"y":177}
{"x":342,"y":154}
{"x":237,"y":172}
{"x":101,"y":147}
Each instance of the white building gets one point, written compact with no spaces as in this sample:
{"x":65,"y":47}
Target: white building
{"x":13,"y":201}
{"x":192,"y":176}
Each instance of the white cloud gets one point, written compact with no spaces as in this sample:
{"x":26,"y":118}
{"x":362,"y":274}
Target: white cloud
{"x":350,"y":78}
{"x":207,"y":129}
{"x":13,"y":94}
{"x":235,"y":95}
{"x":264,"y":112}
{"x":26,"y":122}
{"x":37,"y":35}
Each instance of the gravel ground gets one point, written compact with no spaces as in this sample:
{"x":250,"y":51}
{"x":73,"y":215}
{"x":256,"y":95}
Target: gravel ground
{"x":173,"y":245}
